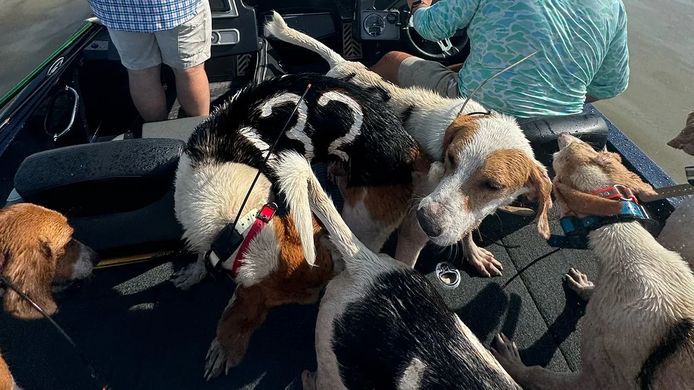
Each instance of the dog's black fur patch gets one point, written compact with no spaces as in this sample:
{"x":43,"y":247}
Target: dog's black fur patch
{"x":675,"y":338}
{"x":383,"y":152}
{"x":402,"y":317}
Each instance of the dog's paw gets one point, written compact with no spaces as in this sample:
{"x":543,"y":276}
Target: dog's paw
{"x":308,"y":379}
{"x":579,"y":283}
{"x":217,"y":361}
{"x":484,"y":262}
{"x":506,"y":352}
{"x":189,"y":276}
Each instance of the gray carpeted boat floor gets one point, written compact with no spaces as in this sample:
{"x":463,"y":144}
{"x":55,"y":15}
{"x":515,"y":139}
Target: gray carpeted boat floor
{"x":143,"y":333}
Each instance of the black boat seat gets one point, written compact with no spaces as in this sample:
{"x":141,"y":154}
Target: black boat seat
{"x":180,"y":128}
{"x":543,"y":132}
{"x":95,"y":178}
{"x":115,"y":193}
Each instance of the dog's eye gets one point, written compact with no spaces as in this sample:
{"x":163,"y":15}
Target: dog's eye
{"x":492,"y":185}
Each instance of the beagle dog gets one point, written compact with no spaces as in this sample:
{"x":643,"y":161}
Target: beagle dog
{"x":638,"y":330}
{"x":36,"y":251}
{"x":380,"y":323}
{"x":488,"y":160}
{"x":334,"y":122}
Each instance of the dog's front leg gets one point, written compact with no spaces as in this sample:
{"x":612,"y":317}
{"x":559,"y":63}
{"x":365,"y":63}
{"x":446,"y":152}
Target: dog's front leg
{"x":411,"y":240}
{"x":411,"y":237}
{"x":245,"y":312}
{"x":480,"y":258}
{"x":535,"y":377}
{"x":191,"y":274}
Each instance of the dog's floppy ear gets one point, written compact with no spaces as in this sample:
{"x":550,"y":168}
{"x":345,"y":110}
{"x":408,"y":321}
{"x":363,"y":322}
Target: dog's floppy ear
{"x":31,"y":270}
{"x":541,"y":189}
{"x":586,"y":204}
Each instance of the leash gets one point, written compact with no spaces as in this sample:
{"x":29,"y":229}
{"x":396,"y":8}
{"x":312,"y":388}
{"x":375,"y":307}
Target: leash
{"x":672,"y":191}
{"x":506,"y":69}
{"x":229,"y":239}
{"x":83,"y":357}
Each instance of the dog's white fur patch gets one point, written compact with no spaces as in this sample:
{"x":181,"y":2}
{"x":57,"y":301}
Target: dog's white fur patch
{"x":207,"y":198}
{"x":261,"y":257}
{"x":298,"y":131}
{"x":354,"y":130}
{"x":412,"y":377}
{"x":252,"y":135}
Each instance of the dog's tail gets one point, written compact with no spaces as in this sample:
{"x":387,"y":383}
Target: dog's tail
{"x":278,"y":28}
{"x":295,"y":171}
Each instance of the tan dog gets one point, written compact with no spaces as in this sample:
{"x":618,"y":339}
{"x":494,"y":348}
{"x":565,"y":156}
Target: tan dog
{"x":638,"y":330}
{"x":37,"y":249}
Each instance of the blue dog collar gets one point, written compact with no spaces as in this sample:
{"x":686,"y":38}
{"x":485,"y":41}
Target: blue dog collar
{"x":576,"y":229}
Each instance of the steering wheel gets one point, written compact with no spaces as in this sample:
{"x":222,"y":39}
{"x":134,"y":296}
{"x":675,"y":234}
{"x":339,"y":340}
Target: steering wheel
{"x":444,"y":49}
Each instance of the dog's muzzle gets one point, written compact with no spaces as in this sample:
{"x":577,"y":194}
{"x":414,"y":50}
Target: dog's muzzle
{"x":428,"y":224}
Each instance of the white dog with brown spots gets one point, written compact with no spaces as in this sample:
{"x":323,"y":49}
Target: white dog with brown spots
{"x":488,"y":160}
{"x":638,"y":330}
{"x":381,"y":324}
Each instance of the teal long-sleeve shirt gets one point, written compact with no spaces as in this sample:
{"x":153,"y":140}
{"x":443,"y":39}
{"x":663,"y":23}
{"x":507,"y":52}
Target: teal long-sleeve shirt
{"x":582,"y":50}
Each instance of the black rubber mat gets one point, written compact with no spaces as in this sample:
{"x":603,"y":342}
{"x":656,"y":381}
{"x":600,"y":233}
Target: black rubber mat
{"x":143,"y":333}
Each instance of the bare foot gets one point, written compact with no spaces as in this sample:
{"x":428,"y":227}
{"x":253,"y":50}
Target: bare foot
{"x":579,"y":283}
{"x":482,"y":259}
{"x":506,"y":352}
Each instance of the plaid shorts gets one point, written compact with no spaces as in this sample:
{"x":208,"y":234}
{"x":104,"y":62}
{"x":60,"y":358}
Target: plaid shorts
{"x":181,"y":47}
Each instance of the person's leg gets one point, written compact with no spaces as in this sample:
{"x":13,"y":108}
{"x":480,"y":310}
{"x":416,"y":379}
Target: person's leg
{"x":409,"y":71}
{"x":148,"y":93}
{"x":140,"y":55}
{"x":185,"y":49}
{"x":193,"y":90}
{"x":389,"y":65}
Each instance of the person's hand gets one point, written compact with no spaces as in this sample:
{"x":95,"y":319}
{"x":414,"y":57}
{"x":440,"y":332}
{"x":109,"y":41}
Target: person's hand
{"x":685,"y":140}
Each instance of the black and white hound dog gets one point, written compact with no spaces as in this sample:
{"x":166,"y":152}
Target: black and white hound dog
{"x":346,"y":126}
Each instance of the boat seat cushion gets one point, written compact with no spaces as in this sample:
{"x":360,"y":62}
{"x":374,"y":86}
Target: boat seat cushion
{"x":543,"y":132}
{"x":99,"y":178}
{"x":180,"y":128}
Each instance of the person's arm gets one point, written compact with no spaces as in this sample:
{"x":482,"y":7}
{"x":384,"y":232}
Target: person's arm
{"x":612,"y":77}
{"x":442,"y":19}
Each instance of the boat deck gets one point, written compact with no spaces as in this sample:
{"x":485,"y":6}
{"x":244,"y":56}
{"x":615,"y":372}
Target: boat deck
{"x":143,"y":333}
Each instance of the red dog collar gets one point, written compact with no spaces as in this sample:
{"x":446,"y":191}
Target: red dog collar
{"x":264,"y":216}
{"x":616,"y":192}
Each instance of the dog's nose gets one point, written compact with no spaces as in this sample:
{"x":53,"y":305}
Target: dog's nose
{"x":565,"y":139}
{"x":427,"y":223}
